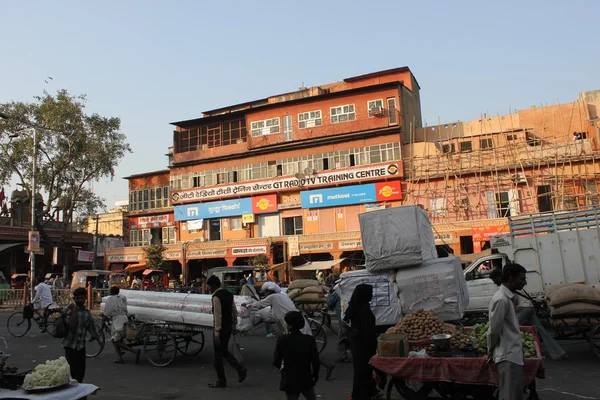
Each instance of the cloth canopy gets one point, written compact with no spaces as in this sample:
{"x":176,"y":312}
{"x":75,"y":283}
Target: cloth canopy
{"x":149,"y":271}
{"x":277,"y":267}
{"x":315,"y":265}
{"x":135,"y":267}
{"x":469,"y":258}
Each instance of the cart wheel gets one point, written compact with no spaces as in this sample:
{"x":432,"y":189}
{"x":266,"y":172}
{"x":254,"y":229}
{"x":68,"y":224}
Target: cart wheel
{"x":594,"y":339}
{"x":160,"y":347}
{"x":190,"y":343}
{"x":319,"y":334}
{"x":92,"y":347}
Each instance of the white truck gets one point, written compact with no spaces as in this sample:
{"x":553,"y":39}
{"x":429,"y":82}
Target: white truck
{"x":555,"y":247}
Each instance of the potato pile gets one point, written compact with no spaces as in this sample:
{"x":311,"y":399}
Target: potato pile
{"x":420,"y":325}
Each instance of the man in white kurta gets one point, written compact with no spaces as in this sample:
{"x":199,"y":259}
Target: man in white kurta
{"x":280,"y":305}
{"x":43,"y":296}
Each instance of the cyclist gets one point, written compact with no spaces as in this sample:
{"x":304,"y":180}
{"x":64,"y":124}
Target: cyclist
{"x":43,"y":297}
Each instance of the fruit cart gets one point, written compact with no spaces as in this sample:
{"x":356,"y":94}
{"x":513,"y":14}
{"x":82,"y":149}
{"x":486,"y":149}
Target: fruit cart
{"x":454,"y":377}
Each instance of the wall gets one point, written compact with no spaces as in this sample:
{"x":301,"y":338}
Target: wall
{"x":161,"y":178}
{"x":112,"y":223}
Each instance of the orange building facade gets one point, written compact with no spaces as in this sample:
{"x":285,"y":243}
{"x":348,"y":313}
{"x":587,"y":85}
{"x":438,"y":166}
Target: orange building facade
{"x":288,"y":175}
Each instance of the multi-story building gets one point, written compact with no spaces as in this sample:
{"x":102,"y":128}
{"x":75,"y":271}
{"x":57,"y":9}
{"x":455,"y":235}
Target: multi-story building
{"x":288,"y":175}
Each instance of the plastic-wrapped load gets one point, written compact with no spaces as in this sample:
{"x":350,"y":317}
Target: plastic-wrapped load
{"x":187,"y":308}
{"x":396,"y":237}
{"x":437,"y":285}
{"x":385,"y":304}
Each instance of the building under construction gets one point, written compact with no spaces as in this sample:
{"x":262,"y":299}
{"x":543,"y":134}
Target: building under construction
{"x":471,"y":176}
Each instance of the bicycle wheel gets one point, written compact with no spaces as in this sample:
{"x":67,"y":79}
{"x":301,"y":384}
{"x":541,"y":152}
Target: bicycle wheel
{"x":51,"y":319}
{"x":18,"y":325}
{"x":318,"y":333}
{"x":92,"y":347}
{"x":160,"y":347}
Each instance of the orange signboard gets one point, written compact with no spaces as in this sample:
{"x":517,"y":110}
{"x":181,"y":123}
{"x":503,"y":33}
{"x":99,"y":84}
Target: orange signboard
{"x":289,"y":200}
{"x":387,"y":191}
{"x":264,"y":204}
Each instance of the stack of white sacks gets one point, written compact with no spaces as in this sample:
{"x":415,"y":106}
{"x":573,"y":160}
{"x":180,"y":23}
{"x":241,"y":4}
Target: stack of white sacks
{"x":400,"y":253}
{"x":186,"y":308}
{"x":572,"y":300}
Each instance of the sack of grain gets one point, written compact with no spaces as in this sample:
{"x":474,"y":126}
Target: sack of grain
{"x":292,"y":294}
{"x":315,"y":289}
{"x":303,"y":283}
{"x":576,"y":309}
{"x":574,"y":293}
{"x":310,"y":298}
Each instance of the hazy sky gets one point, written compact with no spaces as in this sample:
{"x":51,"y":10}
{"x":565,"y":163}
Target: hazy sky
{"x":155,"y":62}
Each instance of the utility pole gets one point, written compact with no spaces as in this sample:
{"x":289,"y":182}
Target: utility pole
{"x":33,"y":198}
{"x":97,"y":218}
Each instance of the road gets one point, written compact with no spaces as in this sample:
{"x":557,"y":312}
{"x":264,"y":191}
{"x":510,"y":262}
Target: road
{"x":187,"y":377}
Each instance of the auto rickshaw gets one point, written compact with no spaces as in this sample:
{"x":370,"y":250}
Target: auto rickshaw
{"x":152,"y":278}
{"x":17,"y":281}
{"x":98,"y":278}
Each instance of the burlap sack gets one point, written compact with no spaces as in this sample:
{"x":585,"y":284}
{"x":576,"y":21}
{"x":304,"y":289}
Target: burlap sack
{"x":573,"y":293}
{"x":303,"y":283}
{"x":310,"y":298}
{"x":292,"y":294}
{"x":315,"y":289}
{"x":576,"y":309}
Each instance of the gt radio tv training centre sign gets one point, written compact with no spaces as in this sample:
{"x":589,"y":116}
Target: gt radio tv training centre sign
{"x":253,"y":188}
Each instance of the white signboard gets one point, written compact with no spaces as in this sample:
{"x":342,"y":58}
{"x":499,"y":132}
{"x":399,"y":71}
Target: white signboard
{"x":315,"y":246}
{"x":207,"y":253}
{"x":242,"y":251}
{"x":322,"y":178}
{"x":293,"y":249}
{"x":350,"y":244}
{"x":135,"y":257}
{"x":172,"y":255}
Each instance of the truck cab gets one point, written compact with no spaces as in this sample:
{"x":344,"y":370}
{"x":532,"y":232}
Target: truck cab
{"x":481,"y":287}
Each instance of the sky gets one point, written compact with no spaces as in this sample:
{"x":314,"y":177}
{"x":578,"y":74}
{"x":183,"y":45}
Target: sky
{"x":155,"y":62}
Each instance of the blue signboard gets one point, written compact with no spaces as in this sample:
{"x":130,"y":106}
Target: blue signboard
{"x":213,"y":209}
{"x":338,"y":196}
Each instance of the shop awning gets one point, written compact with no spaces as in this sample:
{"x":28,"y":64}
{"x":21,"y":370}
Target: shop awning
{"x":278,"y":267}
{"x":136,"y":267}
{"x":469,"y":258}
{"x":10,"y":245}
{"x":149,"y":271}
{"x":315,"y":265}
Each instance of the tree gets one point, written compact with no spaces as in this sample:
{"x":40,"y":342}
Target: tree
{"x":259,"y":260}
{"x":154,"y":256}
{"x":75,"y":149}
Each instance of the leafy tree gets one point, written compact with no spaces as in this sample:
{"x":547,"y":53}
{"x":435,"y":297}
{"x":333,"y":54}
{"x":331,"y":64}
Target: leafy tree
{"x":154,"y":256}
{"x":75,"y":149}
{"x":259,"y":260}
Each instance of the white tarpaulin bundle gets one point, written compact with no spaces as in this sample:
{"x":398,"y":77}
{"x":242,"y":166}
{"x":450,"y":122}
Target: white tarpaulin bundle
{"x":186,"y":308}
{"x":396,"y":237}
{"x":438,"y":285}
{"x":385,"y":304}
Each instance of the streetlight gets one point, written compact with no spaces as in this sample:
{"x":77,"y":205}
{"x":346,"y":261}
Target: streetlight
{"x":33,"y":129}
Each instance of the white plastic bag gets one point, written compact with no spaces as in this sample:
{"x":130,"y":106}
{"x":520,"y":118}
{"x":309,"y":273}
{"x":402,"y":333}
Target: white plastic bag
{"x":235,"y":350}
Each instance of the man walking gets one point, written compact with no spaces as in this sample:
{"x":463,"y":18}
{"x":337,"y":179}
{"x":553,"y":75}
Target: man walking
{"x":79,"y":323}
{"x":225,"y":322}
{"x":504,"y":336}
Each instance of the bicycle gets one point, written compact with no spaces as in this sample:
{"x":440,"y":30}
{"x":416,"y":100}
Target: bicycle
{"x":18,"y":324}
{"x":316,"y":327}
{"x":92,"y":347}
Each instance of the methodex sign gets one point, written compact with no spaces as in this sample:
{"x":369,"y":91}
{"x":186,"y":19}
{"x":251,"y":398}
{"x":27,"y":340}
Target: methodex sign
{"x":253,"y":188}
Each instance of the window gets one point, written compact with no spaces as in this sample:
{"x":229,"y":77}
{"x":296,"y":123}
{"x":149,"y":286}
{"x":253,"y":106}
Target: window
{"x":466,"y":146}
{"x":352,"y":160}
{"x":146,"y":237}
{"x":152,"y":198}
{"x":532,"y":139}
{"x":214,"y":229}
{"x":146,"y":199}
{"x":325,"y":163}
{"x":503,"y":204}
{"x":309,"y":119}
{"x":288,"y":133}
{"x":264,"y":127}
{"x":133,"y":200}
{"x":342,"y":113}
{"x":168,"y":235}
{"x":213,"y":135}
{"x":149,"y":199}
{"x":235,"y":224}
{"x":166,"y":196}
{"x":375,"y":107}
{"x":292,"y":226}
{"x":512,"y":137}
{"x":544,"y":198}
{"x":448,"y":148}
{"x":486,"y":143}
{"x":437,"y":207}
{"x":392,"y":114}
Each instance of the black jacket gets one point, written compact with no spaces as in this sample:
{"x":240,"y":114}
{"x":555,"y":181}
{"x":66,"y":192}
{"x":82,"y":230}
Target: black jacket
{"x":300,"y":362}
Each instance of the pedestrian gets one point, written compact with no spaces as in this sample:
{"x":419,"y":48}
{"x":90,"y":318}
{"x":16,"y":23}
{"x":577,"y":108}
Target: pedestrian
{"x":115,"y":308}
{"x":297,"y":357}
{"x":166,"y":279}
{"x":79,"y":323}
{"x":363,"y":341}
{"x":251,"y":280}
{"x":334,"y":303}
{"x":526,"y":314}
{"x":225,"y":322}
{"x":504,"y":336}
